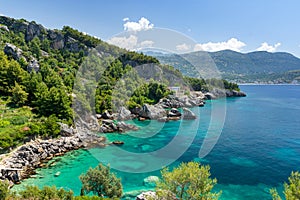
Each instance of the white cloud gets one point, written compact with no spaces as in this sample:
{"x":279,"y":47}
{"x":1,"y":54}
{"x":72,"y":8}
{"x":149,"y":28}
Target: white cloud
{"x":142,"y":24}
{"x":231,"y":44}
{"x":183,"y":47}
{"x":125,"y":19}
{"x":266,"y":47}
{"x":131,"y":42}
{"x":124,"y":42}
{"x":146,"y":43}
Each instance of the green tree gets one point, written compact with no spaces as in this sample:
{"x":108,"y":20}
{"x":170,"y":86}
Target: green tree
{"x":46,"y":193}
{"x":189,"y":181}
{"x":4,"y":191}
{"x":291,"y":190}
{"x":100,"y":181}
{"x":19,"y":96}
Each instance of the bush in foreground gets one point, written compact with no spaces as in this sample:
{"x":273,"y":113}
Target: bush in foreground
{"x":189,"y":181}
{"x":291,"y":190}
{"x":100,"y":181}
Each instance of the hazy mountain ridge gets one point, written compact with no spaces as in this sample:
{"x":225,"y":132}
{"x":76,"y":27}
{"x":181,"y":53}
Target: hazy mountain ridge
{"x":259,"y":66}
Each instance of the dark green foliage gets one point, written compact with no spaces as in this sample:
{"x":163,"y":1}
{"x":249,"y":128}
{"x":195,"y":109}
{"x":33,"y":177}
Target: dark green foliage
{"x":199,"y":84}
{"x":4,"y":191}
{"x":87,"y":40}
{"x":46,"y":193}
{"x":18,"y":96}
{"x":100,"y":181}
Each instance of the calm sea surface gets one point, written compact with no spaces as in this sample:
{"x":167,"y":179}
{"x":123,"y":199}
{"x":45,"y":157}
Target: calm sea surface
{"x":258,"y":146}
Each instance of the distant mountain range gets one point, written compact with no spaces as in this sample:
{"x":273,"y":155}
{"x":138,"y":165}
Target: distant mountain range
{"x":254,"y":67}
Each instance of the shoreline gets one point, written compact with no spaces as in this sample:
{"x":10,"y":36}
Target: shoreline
{"x":35,"y":154}
{"x":22,"y":162}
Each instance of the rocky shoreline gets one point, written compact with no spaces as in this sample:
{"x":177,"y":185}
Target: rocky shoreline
{"x":35,"y":154}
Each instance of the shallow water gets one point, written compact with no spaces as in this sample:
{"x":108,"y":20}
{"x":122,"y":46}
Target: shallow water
{"x":258,"y":147}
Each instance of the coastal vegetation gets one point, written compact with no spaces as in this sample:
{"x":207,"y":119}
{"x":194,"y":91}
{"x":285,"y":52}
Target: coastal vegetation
{"x":189,"y":181}
{"x":291,"y":189}
{"x":101,"y":182}
{"x":38,"y":85}
{"x":38,"y":69}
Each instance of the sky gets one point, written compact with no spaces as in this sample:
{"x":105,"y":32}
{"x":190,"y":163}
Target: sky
{"x":244,"y":26}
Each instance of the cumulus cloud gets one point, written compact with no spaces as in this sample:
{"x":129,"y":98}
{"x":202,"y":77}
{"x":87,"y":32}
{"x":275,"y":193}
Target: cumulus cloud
{"x":183,"y":47}
{"x":266,"y":47}
{"x":231,"y":44}
{"x":146,"y":43}
{"x":125,"y":19}
{"x":142,"y":24}
{"x":130,"y":43}
{"x":124,"y":42}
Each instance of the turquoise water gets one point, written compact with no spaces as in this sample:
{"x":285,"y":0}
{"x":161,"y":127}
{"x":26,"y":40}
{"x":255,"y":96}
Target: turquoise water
{"x":258,"y":147}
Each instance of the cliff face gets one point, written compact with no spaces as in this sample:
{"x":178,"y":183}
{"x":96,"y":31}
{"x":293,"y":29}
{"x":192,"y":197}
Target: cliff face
{"x":57,"y":39}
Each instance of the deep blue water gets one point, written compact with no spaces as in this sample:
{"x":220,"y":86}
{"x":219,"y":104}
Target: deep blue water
{"x":258,"y":147}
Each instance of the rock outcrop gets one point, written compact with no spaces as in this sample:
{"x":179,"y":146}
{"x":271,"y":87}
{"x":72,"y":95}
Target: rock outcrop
{"x":152,"y":111}
{"x":12,"y":50}
{"x":183,"y":101}
{"x":124,"y":114}
{"x":109,"y":126}
{"x":33,"y":154}
{"x":221,"y":93}
{"x":234,"y":93}
{"x":31,"y":30}
{"x":188,"y":114}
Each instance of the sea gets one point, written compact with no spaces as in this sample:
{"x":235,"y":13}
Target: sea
{"x":251,"y":144}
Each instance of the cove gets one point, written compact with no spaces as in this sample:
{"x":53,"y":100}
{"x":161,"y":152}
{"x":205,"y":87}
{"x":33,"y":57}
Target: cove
{"x":258,"y":147}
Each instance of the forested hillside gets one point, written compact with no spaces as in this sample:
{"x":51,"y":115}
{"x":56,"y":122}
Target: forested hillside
{"x":39,"y":68}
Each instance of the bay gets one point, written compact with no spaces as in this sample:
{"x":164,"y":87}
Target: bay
{"x":258,"y":146}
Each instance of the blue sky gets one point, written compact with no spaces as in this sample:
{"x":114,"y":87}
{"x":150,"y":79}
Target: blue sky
{"x":214,"y":24}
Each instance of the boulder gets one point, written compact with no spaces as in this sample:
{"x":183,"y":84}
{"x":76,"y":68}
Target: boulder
{"x":209,"y":96}
{"x":174,"y":113}
{"x":234,"y":93}
{"x":106,"y":115}
{"x":188,"y":114}
{"x":124,"y":114}
{"x":12,"y":50}
{"x":152,"y":111}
